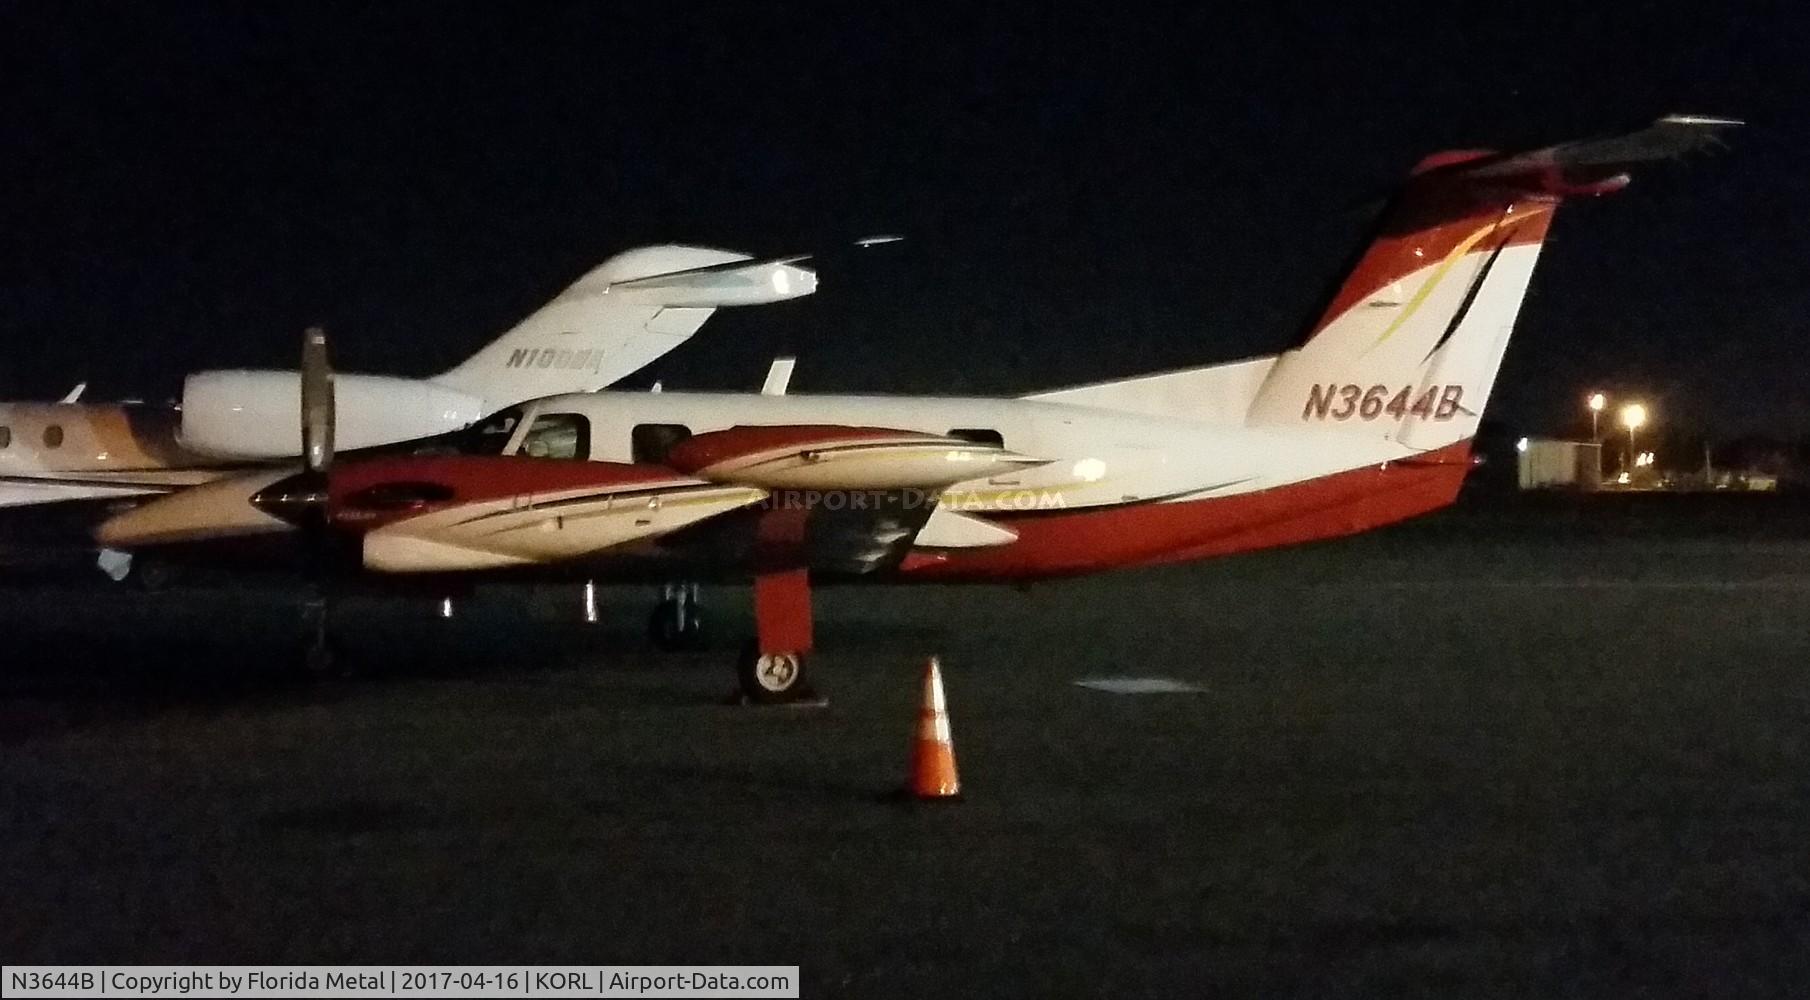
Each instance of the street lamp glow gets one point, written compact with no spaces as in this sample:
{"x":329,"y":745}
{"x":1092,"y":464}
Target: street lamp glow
{"x":1633,"y":416}
{"x":1597,"y":402}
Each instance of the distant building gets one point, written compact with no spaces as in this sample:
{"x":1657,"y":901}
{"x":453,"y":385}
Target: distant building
{"x":1548,"y":464}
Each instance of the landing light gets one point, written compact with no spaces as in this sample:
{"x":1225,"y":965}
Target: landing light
{"x":1521,"y":446}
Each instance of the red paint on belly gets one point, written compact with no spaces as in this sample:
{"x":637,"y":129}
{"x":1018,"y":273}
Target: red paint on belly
{"x":1086,"y":541}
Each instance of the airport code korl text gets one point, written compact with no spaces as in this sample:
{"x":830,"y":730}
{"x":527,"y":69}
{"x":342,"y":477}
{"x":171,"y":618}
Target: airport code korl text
{"x":402,"y":981}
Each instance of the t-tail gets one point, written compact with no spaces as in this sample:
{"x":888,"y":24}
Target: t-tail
{"x":629,"y":311}
{"x":1409,"y":347}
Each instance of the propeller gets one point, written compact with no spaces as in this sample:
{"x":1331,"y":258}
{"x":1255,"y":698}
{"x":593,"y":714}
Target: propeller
{"x":301,"y":499}
{"x":317,"y":402}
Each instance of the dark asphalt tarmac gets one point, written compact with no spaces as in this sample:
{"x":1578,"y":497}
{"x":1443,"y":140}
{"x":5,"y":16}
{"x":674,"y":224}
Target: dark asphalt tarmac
{"x":1485,"y":754}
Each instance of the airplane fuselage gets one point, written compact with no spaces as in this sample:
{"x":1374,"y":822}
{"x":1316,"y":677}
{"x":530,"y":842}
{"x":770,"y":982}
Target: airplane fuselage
{"x":1114,"y":489}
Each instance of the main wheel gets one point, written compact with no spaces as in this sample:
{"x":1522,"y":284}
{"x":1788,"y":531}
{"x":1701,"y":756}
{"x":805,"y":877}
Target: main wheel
{"x":673,"y":627}
{"x":772,"y":678}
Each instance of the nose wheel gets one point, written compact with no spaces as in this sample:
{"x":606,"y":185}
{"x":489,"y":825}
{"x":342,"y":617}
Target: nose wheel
{"x":321,"y":653}
{"x":676,"y":624}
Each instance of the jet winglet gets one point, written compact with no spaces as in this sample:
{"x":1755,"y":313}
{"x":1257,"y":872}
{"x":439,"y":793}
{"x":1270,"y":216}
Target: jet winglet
{"x":779,"y":376}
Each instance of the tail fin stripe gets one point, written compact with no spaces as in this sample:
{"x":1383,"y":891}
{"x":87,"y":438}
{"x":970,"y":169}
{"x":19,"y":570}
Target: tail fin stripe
{"x":1470,"y":298}
{"x":1451,"y":260}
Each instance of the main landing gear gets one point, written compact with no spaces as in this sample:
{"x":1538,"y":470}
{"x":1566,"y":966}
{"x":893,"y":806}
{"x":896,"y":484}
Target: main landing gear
{"x":773,"y":669}
{"x":676,"y":624}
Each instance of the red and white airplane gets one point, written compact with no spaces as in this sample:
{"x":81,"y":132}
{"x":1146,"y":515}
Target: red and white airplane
{"x":1368,"y":422}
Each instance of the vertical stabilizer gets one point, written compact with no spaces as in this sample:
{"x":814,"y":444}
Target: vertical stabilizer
{"x":1409,"y":348}
{"x":621,"y":316}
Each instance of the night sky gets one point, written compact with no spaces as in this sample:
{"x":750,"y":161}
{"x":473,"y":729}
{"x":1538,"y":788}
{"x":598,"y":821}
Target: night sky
{"x":1086,"y":194}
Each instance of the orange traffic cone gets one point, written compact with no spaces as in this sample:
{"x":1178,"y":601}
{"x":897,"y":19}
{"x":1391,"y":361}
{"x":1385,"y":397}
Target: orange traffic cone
{"x":933,"y":751}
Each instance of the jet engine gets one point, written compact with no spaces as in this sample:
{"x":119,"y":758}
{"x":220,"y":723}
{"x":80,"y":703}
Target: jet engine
{"x":250,"y":414}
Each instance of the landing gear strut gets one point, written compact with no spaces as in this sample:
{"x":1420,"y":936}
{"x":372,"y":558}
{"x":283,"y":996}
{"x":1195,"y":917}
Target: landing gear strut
{"x":321,"y":656}
{"x":676,"y":623}
{"x":773,"y":669}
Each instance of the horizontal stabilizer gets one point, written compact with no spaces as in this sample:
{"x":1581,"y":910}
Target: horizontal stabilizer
{"x":1587,"y":166}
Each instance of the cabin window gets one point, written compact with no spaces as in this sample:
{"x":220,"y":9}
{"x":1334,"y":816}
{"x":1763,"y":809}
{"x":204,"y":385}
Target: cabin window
{"x":53,"y":436}
{"x":6,"y":436}
{"x":650,"y":443}
{"x":979,"y":435}
{"x":486,"y":437}
{"x":492,"y":435}
{"x":558,"y":435}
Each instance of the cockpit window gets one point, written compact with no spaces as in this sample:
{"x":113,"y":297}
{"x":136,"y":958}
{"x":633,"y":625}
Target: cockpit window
{"x":558,"y":435}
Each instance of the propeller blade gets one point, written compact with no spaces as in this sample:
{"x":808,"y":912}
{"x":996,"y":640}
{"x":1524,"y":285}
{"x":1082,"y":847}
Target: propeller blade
{"x":317,"y":402}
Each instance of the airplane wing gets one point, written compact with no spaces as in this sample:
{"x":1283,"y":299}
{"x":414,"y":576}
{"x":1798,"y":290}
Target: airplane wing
{"x":831,"y":498}
{"x":440,"y":513}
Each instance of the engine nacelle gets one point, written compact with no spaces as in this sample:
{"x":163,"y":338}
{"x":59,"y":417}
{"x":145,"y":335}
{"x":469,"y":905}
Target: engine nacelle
{"x":257,"y":414}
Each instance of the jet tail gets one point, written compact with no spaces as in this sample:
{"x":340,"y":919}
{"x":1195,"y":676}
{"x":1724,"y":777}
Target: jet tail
{"x":630,"y":310}
{"x":1410,"y":345}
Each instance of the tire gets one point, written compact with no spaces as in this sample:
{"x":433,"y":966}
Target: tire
{"x":667,"y":635}
{"x":773,"y":678}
